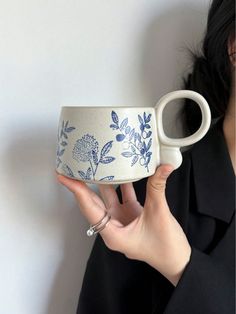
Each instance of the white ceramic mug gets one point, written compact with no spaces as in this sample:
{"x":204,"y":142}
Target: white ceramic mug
{"x":121,"y":144}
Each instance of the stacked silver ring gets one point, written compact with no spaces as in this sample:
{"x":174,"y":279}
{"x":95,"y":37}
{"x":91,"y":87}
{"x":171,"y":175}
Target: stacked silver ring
{"x":98,"y":226}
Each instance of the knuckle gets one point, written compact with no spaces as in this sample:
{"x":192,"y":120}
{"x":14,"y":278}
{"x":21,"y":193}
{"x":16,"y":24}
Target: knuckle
{"x":158,"y":185}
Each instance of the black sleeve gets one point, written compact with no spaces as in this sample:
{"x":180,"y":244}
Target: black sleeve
{"x":207,"y":285}
{"x":113,"y":284}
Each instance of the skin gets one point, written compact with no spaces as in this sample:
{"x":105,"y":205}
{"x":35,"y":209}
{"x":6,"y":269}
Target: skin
{"x":148,"y":233}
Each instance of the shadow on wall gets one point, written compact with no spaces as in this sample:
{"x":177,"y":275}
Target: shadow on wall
{"x":50,"y":217}
{"x":163,"y":55}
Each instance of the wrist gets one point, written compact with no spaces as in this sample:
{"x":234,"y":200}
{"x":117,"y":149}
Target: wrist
{"x":177,"y":272}
{"x":173,"y":272}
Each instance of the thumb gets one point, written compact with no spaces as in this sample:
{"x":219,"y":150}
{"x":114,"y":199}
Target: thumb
{"x":156,"y":185}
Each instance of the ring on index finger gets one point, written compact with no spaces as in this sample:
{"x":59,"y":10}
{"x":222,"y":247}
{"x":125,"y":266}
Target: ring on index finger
{"x":95,"y":228}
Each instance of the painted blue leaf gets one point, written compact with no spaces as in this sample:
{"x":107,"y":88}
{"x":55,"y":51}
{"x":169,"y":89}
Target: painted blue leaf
{"x":82,"y":174}
{"x":68,"y":171}
{"x":147,"y":126}
{"x":61,"y":152}
{"x":63,"y":143}
{"x":148,"y":154}
{"x":134,"y":160}
{"x":66,"y":124}
{"x":120,"y":137}
{"x":148,"y":160}
{"x":71,"y":128}
{"x":133,"y":149}
{"x":107,"y":160}
{"x":114,"y":126}
{"x":148,"y":118}
{"x":140,"y":119}
{"x":139,"y":137}
{"x":58,"y":162}
{"x":89,"y":173}
{"x":141,"y":127}
{"x":149,"y":144}
{"x":65,"y":135}
{"x":106,"y":148}
{"x":131,"y":134}
{"x":108,"y":178}
{"x":123,"y":124}
{"x":127,"y":154}
{"x":149,"y":133}
{"x":95,"y":157}
{"x":144,"y":147}
{"x":144,"y":117}
{"x":127,"y":129}
{"x":114,"y":117}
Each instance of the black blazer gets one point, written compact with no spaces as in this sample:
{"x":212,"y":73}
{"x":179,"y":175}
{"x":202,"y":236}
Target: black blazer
{"x":201,"y":195}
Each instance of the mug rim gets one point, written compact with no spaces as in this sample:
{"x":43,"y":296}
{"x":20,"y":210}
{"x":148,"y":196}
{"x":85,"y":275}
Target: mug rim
{"x":108,"y":107}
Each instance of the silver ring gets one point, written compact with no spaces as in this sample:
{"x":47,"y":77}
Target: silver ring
{"x":93,"y":229}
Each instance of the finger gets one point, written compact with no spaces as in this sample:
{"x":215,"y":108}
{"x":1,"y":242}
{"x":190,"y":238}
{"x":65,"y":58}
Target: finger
{"x":94,"y":213}
{"x":128,"y":192}
{"x":109,"y":195}
{"x":89,"y":202}
{"x":73,"y":185}
{"x":156,"y":185}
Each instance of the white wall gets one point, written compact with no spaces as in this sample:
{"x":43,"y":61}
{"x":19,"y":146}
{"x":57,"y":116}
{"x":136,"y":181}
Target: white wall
{"x":69,"y":52}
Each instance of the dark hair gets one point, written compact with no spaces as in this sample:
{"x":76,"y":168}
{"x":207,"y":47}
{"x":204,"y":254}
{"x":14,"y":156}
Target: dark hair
{"x":211,"y":74}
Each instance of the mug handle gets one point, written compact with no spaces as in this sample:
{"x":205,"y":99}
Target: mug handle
{"x":170,"y":147}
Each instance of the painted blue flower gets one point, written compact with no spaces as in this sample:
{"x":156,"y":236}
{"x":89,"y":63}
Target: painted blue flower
{"x":84,"y":148}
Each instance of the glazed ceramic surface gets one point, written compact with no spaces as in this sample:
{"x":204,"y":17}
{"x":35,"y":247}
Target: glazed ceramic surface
{"x":120,"y":144}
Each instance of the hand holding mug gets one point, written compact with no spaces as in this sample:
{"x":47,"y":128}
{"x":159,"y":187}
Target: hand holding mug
{"x":148,"y":233}
{"x":138,"y":149}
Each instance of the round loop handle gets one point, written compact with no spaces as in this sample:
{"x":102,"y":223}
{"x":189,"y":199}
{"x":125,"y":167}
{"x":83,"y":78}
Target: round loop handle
{"x":193,"y":138}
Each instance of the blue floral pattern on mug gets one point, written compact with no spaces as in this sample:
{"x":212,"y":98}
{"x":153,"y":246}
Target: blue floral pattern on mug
{"x":136,"y":144}
{"x":86,"y":150}
{"x":67,"y":171}
{"x":62,"y":138}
